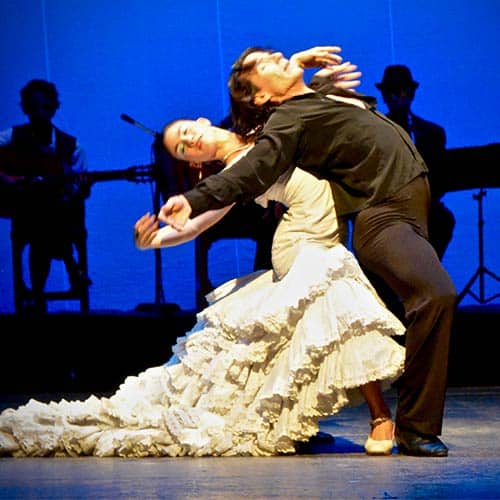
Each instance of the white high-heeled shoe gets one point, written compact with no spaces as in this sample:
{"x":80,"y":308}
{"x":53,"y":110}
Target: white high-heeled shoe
{"x":379,"y":447}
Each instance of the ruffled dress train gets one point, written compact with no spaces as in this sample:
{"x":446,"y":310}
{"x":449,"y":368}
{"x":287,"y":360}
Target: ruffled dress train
{"x":264,"y":363}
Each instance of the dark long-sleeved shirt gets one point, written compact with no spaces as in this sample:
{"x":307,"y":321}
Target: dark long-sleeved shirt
{"x":365,"y":156}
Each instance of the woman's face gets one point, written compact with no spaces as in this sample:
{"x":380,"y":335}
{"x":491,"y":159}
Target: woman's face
{"x":191,"y":140}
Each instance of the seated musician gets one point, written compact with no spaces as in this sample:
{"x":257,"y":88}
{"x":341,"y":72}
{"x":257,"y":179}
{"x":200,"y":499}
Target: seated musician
{"x":42,"y":190}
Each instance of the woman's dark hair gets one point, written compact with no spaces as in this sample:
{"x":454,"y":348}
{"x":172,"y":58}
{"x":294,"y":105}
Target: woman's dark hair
{"x":248,"y":118}
{"x":166,"y":127}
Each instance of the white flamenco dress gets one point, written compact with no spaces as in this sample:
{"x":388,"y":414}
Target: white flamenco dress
{"x":272,"y":354}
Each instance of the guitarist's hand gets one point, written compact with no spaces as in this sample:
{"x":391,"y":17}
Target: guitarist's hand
{"x":10,"y":179}
{"x":83,"y":183}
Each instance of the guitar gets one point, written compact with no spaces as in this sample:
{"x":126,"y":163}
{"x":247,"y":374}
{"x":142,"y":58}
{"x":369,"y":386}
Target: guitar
{"x":35,"y":168}
{"x":135,"y":173}
{"x":16,"y":187}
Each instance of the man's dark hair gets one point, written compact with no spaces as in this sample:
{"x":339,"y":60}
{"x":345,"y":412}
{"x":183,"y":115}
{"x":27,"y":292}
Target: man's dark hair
{"x":41,"y":86}
{"x":247,"y":118}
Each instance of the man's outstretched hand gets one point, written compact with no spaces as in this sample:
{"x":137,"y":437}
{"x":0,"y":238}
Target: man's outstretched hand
{"x":175,"y":212}
{"x":344,"y":76}
{"x":317,"y":57}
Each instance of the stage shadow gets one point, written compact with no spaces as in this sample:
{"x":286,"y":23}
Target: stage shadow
{"x":325,"y":445}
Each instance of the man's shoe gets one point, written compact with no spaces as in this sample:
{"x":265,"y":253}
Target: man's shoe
{"x":419,"y":445}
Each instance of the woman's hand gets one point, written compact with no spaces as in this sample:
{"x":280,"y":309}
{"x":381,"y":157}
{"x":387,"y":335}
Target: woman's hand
{"x":145,"y":230}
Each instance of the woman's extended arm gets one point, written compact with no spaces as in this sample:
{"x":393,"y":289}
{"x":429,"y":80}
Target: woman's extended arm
{"x":148,"y":234}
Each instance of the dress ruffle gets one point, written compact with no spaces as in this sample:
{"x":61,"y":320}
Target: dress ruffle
{"x":264,"y":363}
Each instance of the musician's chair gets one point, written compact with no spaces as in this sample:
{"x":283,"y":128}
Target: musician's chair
{"x":27,"y":229}
{"x":249,"y":221}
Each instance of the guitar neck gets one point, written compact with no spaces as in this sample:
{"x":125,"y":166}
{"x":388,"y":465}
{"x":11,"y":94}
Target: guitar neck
{"x":140,"y":173}
{"x":38,"y":172}
{"x":106,"y":175}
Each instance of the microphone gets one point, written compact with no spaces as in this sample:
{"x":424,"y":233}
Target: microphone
{"x":129,"y":119}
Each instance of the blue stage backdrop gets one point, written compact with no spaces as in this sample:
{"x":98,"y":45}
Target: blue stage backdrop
{"x":160,"y":60}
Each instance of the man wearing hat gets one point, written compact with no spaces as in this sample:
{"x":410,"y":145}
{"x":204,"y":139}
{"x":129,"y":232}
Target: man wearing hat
{"x":398,"y":91}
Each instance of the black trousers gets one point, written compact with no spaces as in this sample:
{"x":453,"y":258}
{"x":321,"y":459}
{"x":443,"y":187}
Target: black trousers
{"x":390,"y":240}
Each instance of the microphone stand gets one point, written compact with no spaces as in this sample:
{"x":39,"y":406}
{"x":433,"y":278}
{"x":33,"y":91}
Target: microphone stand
{"x":481,"y":270}
{"x":159,"y":304}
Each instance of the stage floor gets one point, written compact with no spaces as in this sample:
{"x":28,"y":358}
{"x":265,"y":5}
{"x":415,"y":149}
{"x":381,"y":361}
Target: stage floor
{"x":342,"y":470}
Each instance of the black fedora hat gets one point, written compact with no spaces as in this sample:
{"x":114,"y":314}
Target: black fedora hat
{"x":397,"y":77}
